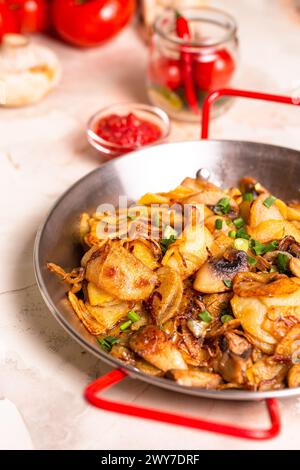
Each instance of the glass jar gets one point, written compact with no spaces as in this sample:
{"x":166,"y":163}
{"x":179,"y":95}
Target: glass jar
{"x":212,"y":52}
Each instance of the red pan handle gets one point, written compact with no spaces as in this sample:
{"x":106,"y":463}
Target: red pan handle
{"x":95,"y":388}
{"x":215,"y":95}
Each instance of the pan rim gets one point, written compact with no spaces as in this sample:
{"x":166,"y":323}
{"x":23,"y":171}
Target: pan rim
{"x":239,"y":395}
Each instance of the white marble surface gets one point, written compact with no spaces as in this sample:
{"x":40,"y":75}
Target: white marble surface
{"x":43,"y":150}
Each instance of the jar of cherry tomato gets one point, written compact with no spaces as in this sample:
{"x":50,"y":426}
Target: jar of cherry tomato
{"x":185,"y":68}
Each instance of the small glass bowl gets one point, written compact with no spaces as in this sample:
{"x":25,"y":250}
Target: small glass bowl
{"x":149,"y":113}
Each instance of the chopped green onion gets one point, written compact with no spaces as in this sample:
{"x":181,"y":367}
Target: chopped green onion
{"x":107,"y":343}
{"x":228,"y":222}
{"x":273,"y":269}
{"x":226,"y":318}
{"x":219,"y":224}
{"x":241,"y":244}
{"x":131,"y":216}
{"x":222,"y":206}
{"x":248,"y":197}
{"x":232,"y":233}
{"x":252,"y":261}
{"x":133,"y":316}
{"x":125,"y":325}
{"x":227,"y":283}
{"x":169,"y":237}
{"x":282,"y":263}
{"x":241,"y":233}
{"x":205,"y":316}
{"x":239,"y":222}
{"x":269,"y":201}
{"x":261,"y":248}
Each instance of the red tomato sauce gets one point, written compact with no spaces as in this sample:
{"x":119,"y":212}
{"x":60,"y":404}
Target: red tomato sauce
{"x":128,"y":131}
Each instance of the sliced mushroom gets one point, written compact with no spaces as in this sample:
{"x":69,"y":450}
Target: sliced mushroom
{"x":167,"y":297}
{"x":293,"y":377}
{"x":212,"y":276}
{"x":121,"y":274}
{"x":290,"y":245}
{"x":196,"y":378}
{"x":234,"y":357}
{"x":152,"y":344}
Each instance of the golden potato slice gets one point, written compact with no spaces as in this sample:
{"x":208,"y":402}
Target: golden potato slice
{"x":152,"y":344}
{"x":97,"y":296}
{"x":260,"y":213}
{"x":252,"y":312}
{"x":97,"y":320}
{"x":196,"y":378}
{"x":121,"y":274}
{"x":142,"y":252}
{"x":249,"y":284}
{"x":294,"y":376}
{"x":167,"y":297}
{"x":289,"y":346}
{"x":266,"y":374}
{"x":274,"y":230}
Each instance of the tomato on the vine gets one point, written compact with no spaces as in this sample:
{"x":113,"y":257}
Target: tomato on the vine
{"x":32,"y":15}
{"x":90,"y":22}
{"x":213,"y":70}
{"x":8,"y":21}
{"x":166,"y":72}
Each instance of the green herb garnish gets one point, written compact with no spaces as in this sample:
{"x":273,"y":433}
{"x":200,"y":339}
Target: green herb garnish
{"x":242,"y":233}
{"x":269,"y":201}
{"x":239,"y":222}
{"x":252,"y":261}
{"x":282,"y":263}
{"x":232,"y":233}
{"x":222,"y":206}
{"x":219,"y":224}
{"x":133,"y":316}
{"x":169,"y":237}
{"x":227,"y":283}
{"x":261,"y":248}
{"x":226,"y":318}
{"x":205,"y":316}
{"x":107,"y":342}
{"x":125,"y":325}
{"x":248,"y":197}
{"x":131,"y":216}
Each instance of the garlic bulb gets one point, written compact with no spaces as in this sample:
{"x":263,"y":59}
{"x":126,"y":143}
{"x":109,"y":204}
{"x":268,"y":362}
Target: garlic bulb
{"x":27,"y":71}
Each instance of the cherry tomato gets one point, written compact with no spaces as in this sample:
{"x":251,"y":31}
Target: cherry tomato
{"x":213,"y":70}
{"x":166,"y":72}
{"x":32,"y":15}
{"x":8,"y":21}
{"x":90,"y":22}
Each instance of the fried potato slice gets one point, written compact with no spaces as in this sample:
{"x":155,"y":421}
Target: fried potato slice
{"x":247,"y":284}
{"x":289,"y":346}
{"x":97,"y":320}
{"x":196,"y":378}
{"x":294,"y":376}
{"x":266,"y":374}
{"x":260,"y":213}
{"x":97,"y":296}
{"x":121,"y":274}
{"x":152,"y":344}
{"x":167,"y":297}
{"x":274,"y":230}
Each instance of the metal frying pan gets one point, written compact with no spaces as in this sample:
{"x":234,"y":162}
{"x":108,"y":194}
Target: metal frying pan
{"x":153,"y":169}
